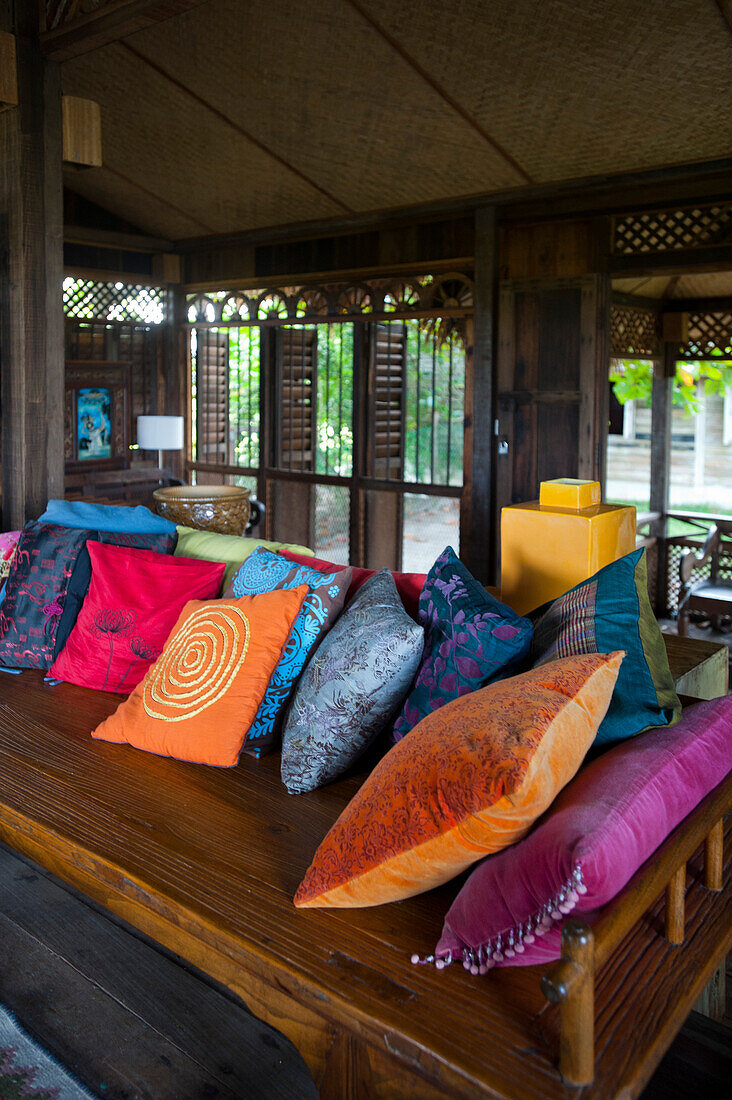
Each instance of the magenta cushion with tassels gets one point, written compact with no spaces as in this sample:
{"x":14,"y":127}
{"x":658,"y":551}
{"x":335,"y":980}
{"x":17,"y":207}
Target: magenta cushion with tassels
{"x":606,"y":823}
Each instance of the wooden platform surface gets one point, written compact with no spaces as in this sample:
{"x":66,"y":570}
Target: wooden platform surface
{"x":207,"y":861}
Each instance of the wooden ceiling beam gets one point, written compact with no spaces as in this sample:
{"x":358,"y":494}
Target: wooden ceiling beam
{"x":710,"y":181}
{"x":111,"y":238}
{"x":114,"y":20}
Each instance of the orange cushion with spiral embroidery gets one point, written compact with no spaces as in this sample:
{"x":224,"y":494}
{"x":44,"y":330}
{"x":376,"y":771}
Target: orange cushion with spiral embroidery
{"x":470,"y":779}
{"x":201,"y":695}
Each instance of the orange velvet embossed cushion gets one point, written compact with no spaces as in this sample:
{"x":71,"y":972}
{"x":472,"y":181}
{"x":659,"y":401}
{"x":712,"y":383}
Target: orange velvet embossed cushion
{"x":200,"y":697}
{"x":469,"y":780}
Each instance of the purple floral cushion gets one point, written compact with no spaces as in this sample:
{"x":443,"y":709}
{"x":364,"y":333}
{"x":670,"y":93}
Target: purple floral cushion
{"x":603,"y":826}
{"x":471,"y":640}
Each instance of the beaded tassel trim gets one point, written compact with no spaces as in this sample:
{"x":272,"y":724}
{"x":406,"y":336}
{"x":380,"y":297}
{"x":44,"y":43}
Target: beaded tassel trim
{"x":512,"y":941}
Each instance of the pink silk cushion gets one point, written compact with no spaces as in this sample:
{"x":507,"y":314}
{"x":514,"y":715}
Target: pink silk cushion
{"x":606,"y":823}
{"x":133,"y":603}
{"x":409,"y":585}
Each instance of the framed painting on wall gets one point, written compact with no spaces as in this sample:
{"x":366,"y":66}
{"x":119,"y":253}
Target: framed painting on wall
{"x":97,"y":416}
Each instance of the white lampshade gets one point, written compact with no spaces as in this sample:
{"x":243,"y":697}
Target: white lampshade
{"x":160,"y":433}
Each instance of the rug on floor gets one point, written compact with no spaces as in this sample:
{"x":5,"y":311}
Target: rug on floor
{"x":27,"y":1072}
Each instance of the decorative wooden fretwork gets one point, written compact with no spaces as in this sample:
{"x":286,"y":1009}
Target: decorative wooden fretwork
{"x":676,"y":547}
{"x":87,"y":300}
{"x":672,"y":230}
{"x":633,"y":333}
{"x":709,"y":334}
{"x":449,"y":295}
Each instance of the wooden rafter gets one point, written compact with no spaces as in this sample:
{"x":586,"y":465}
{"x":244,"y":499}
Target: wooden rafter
{"x":114,"y":20}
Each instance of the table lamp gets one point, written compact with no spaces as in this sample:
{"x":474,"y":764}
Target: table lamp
{"x":160,"y":433}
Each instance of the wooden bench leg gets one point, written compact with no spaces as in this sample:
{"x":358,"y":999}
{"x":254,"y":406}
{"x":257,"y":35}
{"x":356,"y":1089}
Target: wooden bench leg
{"x":571,"y":984}
{"x":675,"y":906}
{"x":713,"y":849}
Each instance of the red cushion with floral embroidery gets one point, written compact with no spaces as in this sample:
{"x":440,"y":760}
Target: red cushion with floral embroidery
{"x":134,"y":601}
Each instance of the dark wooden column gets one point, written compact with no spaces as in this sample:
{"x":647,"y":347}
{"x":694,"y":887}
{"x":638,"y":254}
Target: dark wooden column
{"x":174,"y":365}
{"x":661,"y":408}
{"x":478,"y":541}
{"x":31,"y":273}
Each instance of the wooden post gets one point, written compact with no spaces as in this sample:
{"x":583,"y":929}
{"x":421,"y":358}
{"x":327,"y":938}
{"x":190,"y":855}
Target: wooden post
{"x":675,"y":906}
{"x":174,"y":361}
{"x":713,"y":849}
{"x":31,"y":273}
{"x":571,"y":984}
{"x":478,"y":539}
{"x":661,"y":408}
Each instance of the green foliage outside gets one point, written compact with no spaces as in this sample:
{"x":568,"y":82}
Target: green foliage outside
{"x":434,"y":408}
{"x":633,"y":378}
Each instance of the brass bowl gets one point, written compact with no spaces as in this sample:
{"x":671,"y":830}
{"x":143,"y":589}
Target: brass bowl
{"x":221,"y":508}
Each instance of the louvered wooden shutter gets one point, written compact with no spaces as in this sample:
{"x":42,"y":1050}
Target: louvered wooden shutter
{"x":296,"y":399}
{"x":212,"y":397}
{"x":387,"y":405}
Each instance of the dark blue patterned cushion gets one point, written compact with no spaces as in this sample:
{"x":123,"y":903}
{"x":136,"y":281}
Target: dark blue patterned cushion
{"x":471,"y":640}
{"x":35,"y":593}
{"x":264,"y":571}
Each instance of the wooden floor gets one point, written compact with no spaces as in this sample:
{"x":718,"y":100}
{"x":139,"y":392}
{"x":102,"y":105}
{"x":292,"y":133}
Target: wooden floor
{"x":133,"y":1022}
{"x":129,"y":1020}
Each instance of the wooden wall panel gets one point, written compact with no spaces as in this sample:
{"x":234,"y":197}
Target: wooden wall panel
{"x":556,"y":249}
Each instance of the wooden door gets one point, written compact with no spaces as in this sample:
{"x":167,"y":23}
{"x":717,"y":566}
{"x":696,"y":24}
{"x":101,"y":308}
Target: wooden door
{"x":552,"y":384}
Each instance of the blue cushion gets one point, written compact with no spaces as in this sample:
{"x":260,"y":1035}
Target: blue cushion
{"x":264,"y":571}
{"x":106,"y":517}
{"x":611,"y":611}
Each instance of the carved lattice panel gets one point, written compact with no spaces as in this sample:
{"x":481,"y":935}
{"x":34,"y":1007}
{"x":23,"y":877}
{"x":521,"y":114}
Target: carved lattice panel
{"x":708,"y":333}
{"x":671,"y":230}
{"x":450,"y":295}
{"x":675,"y":550}
{"x":633,"y":333}
{"x":88,"y":300}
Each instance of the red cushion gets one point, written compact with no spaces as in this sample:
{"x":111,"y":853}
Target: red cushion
{"x":134,"y":601}
{"x":409,"y":585}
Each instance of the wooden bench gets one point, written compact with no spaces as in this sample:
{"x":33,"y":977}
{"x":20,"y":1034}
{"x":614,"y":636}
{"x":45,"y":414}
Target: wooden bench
{"x":206,"y":861}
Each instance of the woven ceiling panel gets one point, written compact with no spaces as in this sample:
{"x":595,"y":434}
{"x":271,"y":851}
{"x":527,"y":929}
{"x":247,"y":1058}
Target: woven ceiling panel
{"x":339,"y":118}
{"x":712,"y":284}
{"x":574,"y":89}
{"x":176,"y":149}
{"x":320,"y":88}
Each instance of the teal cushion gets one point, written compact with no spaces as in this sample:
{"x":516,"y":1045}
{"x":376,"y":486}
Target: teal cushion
{"x":612,"y":611}
{"x":262,"y":572}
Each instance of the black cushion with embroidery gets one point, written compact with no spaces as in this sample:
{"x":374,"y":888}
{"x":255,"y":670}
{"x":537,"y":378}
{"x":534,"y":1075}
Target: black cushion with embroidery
{"x":35,"y":592}
{"x":48,"y":581}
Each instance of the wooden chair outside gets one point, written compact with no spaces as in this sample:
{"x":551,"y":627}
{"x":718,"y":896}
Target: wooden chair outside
{"x":712,"y":596}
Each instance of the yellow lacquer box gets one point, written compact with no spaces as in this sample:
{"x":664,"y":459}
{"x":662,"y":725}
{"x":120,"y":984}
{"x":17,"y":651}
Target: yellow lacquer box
{"x":550,"y":544}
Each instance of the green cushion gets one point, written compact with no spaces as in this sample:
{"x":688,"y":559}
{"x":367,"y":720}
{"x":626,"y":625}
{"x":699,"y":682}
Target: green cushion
{"x":232,"y":549}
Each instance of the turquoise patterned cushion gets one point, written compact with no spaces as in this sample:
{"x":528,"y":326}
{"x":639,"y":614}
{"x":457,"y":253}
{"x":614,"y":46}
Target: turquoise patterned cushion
{"x":264,"y":571}
{"x":353,"y":686}
{"x":610,"y":611}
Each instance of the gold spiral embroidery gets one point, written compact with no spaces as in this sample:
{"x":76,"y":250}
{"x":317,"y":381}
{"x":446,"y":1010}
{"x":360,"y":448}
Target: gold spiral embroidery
{"x":198,"y":665}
